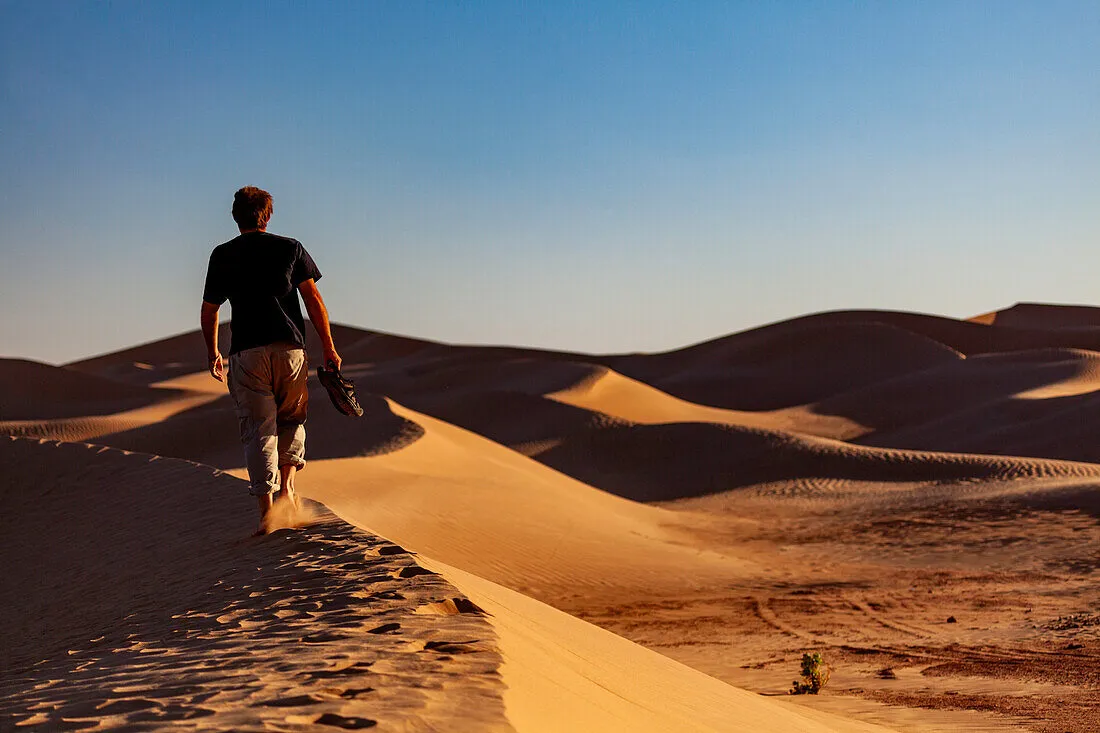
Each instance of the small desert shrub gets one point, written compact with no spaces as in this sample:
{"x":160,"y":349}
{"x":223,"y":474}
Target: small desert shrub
{"x":815,"y":675}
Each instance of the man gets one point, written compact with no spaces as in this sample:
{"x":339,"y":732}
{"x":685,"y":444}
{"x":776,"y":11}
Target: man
{"x":261,"y":275}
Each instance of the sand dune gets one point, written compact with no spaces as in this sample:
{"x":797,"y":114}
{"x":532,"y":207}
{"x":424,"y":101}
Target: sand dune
{"x":960,"y":386}
{"x":195,"y":420}
{"x":359,"y":346}
{"x":1033,"y":403}
{"x":31,"y":390}
{"x":472,"y":503}
{"x":187,"y":395}
{"x":680,"y":460}
{"x":183,"y":354}
{"x":1043,"y":316}
{"x":607,"y":392}
{"x":809,"y":358}
{"x":153,"y":362}
{"x":616,"y":399}
{"x":501,"y":398}
{"x":1053,"y":427}
{"x":524,"y":422}
{"x":209,"y":433}
{"x":788,"y":364}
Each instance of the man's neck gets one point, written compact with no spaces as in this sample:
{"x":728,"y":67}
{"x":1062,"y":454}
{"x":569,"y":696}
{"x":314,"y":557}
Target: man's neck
{"x":249,"y":231}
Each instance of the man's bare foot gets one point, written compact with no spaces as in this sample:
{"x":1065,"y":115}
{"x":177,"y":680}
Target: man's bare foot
{"x":291,"y":496}
{"x":286,"y":485}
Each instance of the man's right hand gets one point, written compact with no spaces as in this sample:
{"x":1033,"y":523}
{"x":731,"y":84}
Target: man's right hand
{"x":217,"y":368}
{"x":331,"y":357}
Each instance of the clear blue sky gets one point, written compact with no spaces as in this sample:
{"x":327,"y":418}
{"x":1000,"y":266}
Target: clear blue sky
{"x":593,"y":176}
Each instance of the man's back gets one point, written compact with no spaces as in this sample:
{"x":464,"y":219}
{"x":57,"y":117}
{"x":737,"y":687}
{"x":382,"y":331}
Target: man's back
{"x":259,"y":273}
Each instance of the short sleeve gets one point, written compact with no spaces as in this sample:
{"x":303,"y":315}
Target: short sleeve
{"x":214,"y":290}
{"x":304,"y":267}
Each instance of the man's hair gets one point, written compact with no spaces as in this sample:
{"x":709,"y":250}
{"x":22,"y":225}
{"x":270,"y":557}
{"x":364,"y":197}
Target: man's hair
{"x":252,"y":208}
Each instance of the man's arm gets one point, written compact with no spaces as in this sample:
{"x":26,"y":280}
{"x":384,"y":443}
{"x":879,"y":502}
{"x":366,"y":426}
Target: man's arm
{"x":209,"y":320}
{"x":318,"y":316}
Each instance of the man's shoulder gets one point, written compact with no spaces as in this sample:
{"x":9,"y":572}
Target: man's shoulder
{"x":280,"y":238}
{"x":277,"y":245}
{"x":244,"y":242}
{"x":225,"y":246}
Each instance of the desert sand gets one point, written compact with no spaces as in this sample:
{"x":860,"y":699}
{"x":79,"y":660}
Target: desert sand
{"x":517,"y":539}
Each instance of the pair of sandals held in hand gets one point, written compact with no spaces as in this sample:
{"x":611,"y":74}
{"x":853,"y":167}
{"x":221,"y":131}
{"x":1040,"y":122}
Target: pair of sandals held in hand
{"x":341,"y":390}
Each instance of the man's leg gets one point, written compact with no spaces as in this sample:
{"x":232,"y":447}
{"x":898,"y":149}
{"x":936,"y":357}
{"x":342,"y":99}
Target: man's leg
{"x":250,"y":386}
{"x":292,"y":397}
{"x":264,"y":501}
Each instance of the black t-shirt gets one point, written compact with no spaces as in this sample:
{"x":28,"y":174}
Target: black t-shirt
{"x":259,"y":274}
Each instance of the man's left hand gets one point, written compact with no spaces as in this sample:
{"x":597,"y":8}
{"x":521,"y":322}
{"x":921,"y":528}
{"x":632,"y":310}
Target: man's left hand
{"x":217,"y":369}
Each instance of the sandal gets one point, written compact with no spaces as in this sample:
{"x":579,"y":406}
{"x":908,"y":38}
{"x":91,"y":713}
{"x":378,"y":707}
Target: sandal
{"x":341,"y":390}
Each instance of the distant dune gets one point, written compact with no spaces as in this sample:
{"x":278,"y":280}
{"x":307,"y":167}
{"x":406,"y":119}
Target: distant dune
{"x":1044,"y":317}
{"x":31,"y":390}
{"x":681,"y":460}
{"x":177,"y":355}
{"x":787,"y":364}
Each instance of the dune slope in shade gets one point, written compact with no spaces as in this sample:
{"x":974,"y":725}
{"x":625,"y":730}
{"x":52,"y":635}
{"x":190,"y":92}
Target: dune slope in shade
{"x":182,"y":395}
{"x":1038,"y":403}
{"x":31,"y":390}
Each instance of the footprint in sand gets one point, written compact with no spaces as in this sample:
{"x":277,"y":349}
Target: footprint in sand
{"x":385,"y":550}
{"x":412,"y":571}
{"x":385,"y":629}
{"x":339,"y":721}
{"x":323,"y":636}
{"x":452,"y":647}
{"x":450,"y":607}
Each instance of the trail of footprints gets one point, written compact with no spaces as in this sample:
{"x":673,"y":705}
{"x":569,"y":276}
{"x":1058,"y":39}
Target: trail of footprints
{"x":322,"y":627}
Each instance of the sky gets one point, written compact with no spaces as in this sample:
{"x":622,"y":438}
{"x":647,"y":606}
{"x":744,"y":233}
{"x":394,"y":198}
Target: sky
{"x":600,"y":177}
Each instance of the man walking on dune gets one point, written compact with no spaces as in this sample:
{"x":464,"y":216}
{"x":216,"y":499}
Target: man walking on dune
{"x":261,"y":275}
